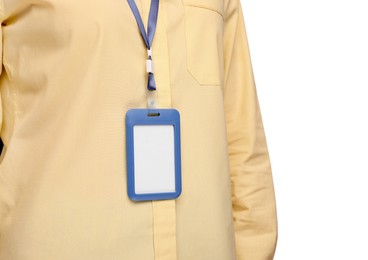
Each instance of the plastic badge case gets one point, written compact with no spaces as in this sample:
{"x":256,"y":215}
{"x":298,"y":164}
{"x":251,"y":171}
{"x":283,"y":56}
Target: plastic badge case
{"x":153,"y":154}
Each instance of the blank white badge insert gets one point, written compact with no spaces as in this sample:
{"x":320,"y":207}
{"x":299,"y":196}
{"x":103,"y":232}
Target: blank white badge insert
{"x":154,"y":159}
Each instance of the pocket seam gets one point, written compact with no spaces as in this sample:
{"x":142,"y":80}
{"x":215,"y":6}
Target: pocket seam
{"x":205,"y":7}
{"x":189,"y":69}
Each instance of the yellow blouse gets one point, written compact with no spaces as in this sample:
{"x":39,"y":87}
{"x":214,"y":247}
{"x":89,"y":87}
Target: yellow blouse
{"x":71,"y":69}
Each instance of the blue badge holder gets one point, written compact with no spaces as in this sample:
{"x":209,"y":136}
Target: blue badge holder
{"x":153,"y":154}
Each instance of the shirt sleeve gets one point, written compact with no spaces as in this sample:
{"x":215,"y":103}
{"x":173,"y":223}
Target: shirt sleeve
{"x":1,"y":58}
{"x":253,"y":199}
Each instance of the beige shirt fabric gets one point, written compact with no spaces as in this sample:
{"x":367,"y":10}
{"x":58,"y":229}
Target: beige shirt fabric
{"x":71,"y":70}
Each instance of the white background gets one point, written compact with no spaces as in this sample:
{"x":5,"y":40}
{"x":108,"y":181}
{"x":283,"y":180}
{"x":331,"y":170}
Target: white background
{"x":310,"y":61}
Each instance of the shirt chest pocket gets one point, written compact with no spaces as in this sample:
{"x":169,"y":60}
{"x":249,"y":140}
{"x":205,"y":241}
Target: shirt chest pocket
{"x":204,"y":40}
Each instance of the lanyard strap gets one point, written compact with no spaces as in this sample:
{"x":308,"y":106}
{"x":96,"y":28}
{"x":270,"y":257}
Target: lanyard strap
{"x":147,"y":37}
